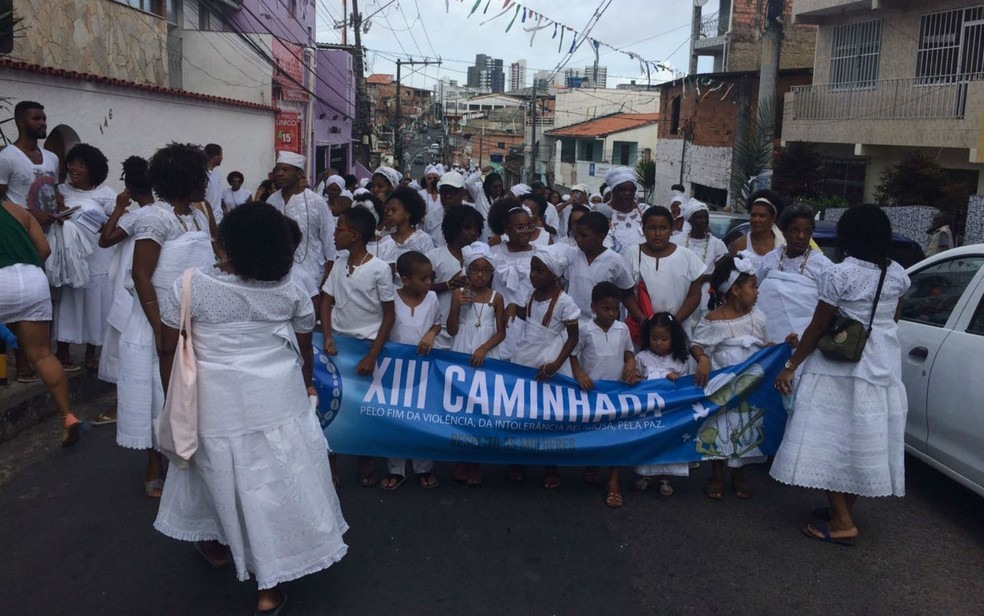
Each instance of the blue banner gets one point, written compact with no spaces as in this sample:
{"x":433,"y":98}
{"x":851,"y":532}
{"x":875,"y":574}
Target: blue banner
{"x":438,"y":407}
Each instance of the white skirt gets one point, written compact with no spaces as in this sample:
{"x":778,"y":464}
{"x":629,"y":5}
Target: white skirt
{"x":24,"y":294}
{"x":139,"y":394}
{"x":81,"y":314}
{"x":268,"y":495}
{"x":845,"y":435}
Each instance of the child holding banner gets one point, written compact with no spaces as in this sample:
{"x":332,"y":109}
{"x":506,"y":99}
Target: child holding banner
{"x":663,"y":356}
{"x":604,"y":353}
{"x":417,"y":322}
{"x":358,"y":300}
{"x":477,"y":323}
{"x":549,"y":314}
{"x":461,"y":227}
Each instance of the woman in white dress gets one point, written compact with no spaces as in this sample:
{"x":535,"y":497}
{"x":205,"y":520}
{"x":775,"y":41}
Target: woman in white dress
{"x":788,"y":276}
{"x":259,"y":481}
{"x":80,"y":315}
{"x":846,"y":433}
{"x":169,"y":237}
{"x":763,"y":237}
{"x":235,"y":195}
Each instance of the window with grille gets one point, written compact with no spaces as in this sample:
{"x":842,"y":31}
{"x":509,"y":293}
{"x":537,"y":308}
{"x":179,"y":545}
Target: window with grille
{"x":854,"y":55}
{"x":951,"y":46}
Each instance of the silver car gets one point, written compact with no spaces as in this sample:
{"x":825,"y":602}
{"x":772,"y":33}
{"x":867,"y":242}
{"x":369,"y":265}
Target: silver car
{"x":941,"y":332}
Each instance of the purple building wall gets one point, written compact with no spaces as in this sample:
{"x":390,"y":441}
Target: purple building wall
{"x":274,"y":16}
{"x":332,"y":125}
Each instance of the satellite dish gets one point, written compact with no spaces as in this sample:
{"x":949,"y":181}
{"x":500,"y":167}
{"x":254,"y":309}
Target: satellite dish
{"x":700,"y":2}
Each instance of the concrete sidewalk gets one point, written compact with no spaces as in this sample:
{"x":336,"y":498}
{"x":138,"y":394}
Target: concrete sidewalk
{"x":27,"y":404}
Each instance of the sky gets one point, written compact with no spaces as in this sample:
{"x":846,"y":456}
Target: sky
{"x":657,"y":30}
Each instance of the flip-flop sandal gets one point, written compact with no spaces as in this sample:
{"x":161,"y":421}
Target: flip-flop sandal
{"x":427,"y":480}
{"x":665,"y":488}
{"x":273,"y":611}
{"x":642,"y":483}
{"x":72,"y":431}
{"x":200,"y":548}
{"x":821,"y":513}
{"x":824,"y":536}
{"x":614,"y":499}
{"x":592,"y":476}
{"x":516,"y":474}
{"x":70,"y":367}
{"x":551,"y":480}
{"x":459,"y":472}
{"x":154,"y":488}
{"x":27,"y":377}
{"x":102,"y":419}
{"x":395,"y":481}
{"x":714,"y":489}
{"x":741,"y":489}
{"x":368,"y":478}
{"x":474,"y":477}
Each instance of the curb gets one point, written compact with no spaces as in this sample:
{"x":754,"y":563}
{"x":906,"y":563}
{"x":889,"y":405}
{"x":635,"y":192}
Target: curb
{"x":26,"y":404}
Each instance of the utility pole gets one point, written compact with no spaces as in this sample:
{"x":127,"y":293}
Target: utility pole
{"x":397,"y":136}
{"x":533,"y":138}
{"x":694,"y":35}
{"x":769,"y":67}
{"x":345,"y":19}
{"x":360,"y":127}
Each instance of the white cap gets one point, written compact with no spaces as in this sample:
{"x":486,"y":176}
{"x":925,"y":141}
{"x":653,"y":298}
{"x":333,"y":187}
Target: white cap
{"x":582,"y":187}
{"x":292,"y":159}
{"x":452,"y":178}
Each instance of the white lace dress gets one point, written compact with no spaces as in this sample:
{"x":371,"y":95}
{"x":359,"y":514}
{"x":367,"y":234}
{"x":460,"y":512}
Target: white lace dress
{"x":847,"y":430}
{"x":652,"y":366}
{"x":259,"y":481}
{"x":735,"y":432}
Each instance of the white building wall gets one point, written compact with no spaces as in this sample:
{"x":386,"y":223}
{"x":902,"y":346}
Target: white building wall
{"x":218,"y":64}
{"x":123,"y":122}
{"x":706,"y":165}
{"x":582,"y":104}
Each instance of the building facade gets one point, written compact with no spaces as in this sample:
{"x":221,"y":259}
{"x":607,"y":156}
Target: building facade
{"x":487,"y":74}
{"x":889,"y":80}
{"x":517,"y":75}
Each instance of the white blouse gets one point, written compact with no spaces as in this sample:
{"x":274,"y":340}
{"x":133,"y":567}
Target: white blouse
{"x":359,"y":296}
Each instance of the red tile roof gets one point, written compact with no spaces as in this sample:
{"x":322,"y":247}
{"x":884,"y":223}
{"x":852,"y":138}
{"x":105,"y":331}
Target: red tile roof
{"x":607,"y":125}
{"x":124,"y":83}
{"x":380,"y":79}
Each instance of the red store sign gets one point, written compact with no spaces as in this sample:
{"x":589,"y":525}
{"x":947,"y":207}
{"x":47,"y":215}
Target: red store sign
{"x":288,"y":132}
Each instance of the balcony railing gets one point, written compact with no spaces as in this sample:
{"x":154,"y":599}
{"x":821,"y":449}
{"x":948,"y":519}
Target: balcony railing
{"x":888,"y":99}
{"x":713,"y":25}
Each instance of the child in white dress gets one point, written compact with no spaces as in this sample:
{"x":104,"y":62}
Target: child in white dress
{"x":402,"y":213}
{"x":461,"y":227}
{"x":477,"y":324}
{"x":593,"y":262}
{"x":663,"y":356}
{"x":417,"y":323}
{"x":357,"y":301}
{"x":512,"y":262}
{"x":732,"y":332}
{"x":549,"y":332}
{"x":604,"y":352}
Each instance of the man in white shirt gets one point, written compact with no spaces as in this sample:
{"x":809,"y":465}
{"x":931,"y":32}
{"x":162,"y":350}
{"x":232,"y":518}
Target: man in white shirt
{"x":213,"y":194}
{"x":29,"y":173}
{"x":315,"y":255}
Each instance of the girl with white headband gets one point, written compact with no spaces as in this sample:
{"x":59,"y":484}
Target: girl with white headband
{"x":763,"y":237}
{"x":732,"y":332}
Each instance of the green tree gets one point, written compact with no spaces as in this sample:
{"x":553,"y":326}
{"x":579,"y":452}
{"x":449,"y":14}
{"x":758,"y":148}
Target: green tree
{"x":798,"y":171}
{"x":914,"y":180}
{"x":753,"y":153}
{"x":646,"y":177}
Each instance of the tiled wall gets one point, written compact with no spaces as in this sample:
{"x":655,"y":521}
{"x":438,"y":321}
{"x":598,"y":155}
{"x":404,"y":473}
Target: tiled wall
{"x":913,"y":221}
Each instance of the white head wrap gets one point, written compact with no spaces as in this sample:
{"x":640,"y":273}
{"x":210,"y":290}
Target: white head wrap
{"x":678,"y":197}
{"x":691,"y":207}
{"x":414,"y":185}
{"x":581,"y":187}
{"x":475,"y":251}
{"x":608,"y":191}
{"x":520,"y":189}
{"x":361,"y":191}
{"x":556,"y":257}
{"x":437,"y":170}
{"x":392,"y":175}
{"x":292,"y":159}
{"x":336,"y":180}
{"x":347,"y":195}
{"x":369,"y":206}
{"x":594,"y":196}
{"x":565,"y":197}
{"x":364,"y":182}
{"x":743,"y":265}
{"x":620,"y":175}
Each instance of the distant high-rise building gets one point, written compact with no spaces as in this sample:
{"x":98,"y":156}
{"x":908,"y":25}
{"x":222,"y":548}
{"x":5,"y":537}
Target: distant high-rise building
{"x":596,"y":77}
{"x":517,"y":75}
{"x":542,"y":80}
{"x":487,"y":74}
{"x":573,"y":78}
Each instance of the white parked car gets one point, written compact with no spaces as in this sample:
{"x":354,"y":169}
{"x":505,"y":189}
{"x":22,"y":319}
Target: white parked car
{"x":942,"y":339}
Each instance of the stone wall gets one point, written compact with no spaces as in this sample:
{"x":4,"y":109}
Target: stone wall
{"x":912,"y":221}
{"x":100,"y":37}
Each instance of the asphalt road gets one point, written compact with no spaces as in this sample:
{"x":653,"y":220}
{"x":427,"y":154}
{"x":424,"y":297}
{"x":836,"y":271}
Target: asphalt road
{"x":76,"y":538}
